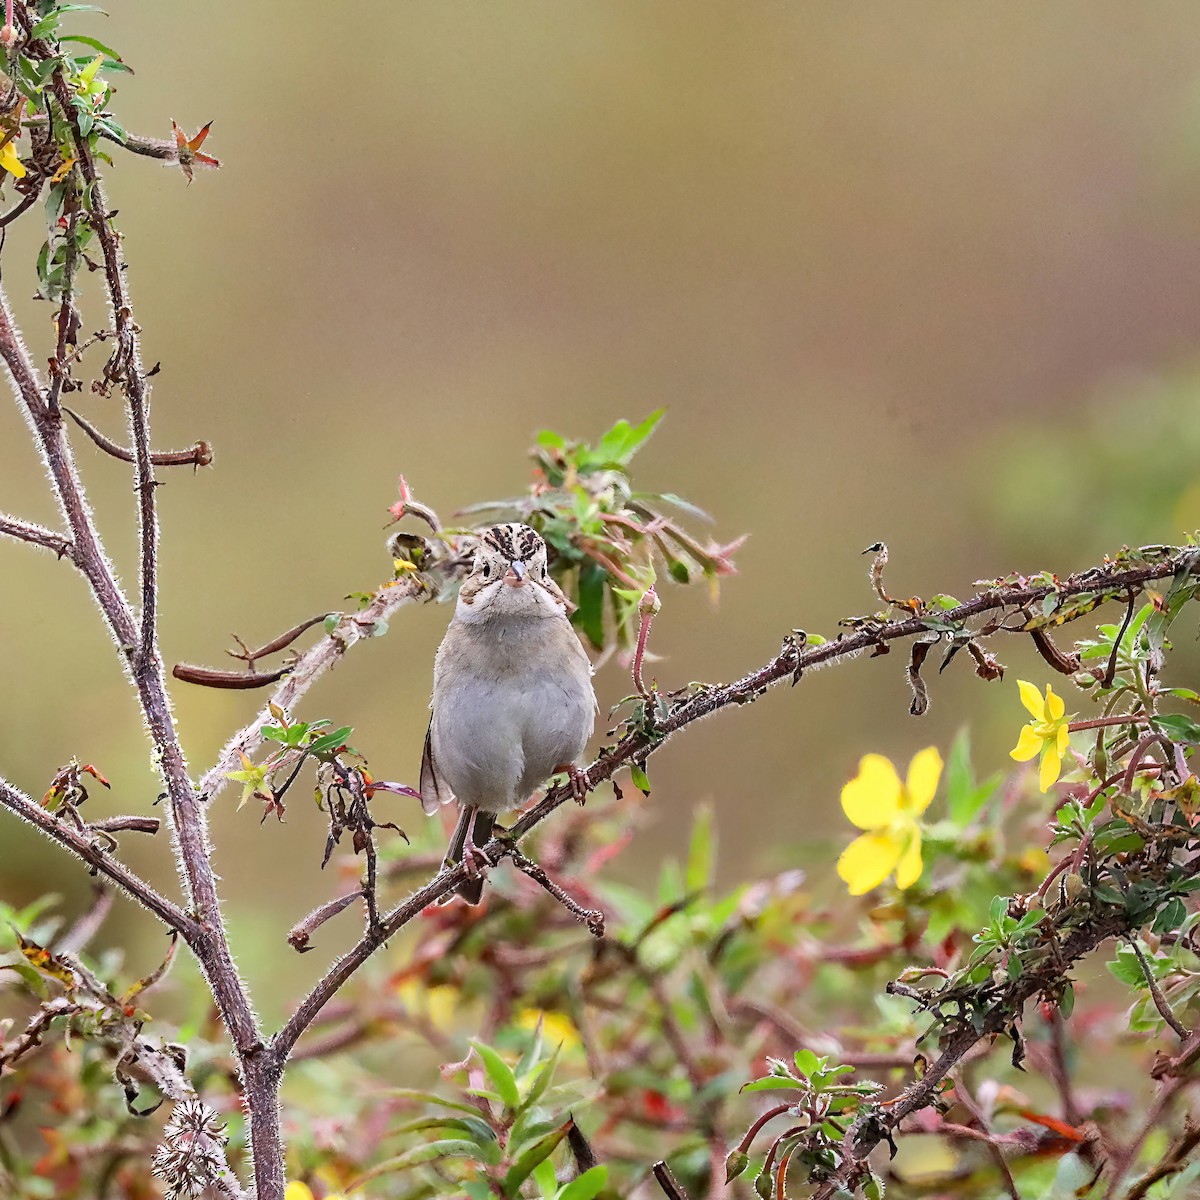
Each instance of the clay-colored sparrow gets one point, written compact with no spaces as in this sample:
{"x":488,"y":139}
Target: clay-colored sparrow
{"x":512,"y":694}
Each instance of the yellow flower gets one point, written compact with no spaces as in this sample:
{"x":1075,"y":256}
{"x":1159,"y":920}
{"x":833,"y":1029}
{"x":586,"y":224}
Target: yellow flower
{"x":1047,"y":734}
{"x":556,"y":1026}
{"x":438,"y":1004}
{"x":876,"y":801}
{"x":301,"y":1191}
{"x":10,"y":160}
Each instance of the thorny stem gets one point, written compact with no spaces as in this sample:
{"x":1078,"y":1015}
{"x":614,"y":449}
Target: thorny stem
{"x":199,"y":455}
{"x":1106,"y":722}
{"x":26,"y":531}
{"x":138,"y":641}
{"x":647,"y":606}
{"x":789,"y":664}
{"x":97,"y":859}
{"x":1160,"y":1001}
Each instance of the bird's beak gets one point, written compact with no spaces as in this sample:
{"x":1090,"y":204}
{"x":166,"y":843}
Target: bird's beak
{"x":515,"y":576}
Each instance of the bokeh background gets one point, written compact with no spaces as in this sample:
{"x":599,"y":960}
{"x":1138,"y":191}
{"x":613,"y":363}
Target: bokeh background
{"x":925,"y":273}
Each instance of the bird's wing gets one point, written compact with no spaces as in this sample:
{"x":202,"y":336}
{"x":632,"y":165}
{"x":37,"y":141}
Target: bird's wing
{"x":433,"y":791}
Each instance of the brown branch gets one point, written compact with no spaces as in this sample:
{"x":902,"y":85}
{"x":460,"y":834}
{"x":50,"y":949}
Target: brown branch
{"x":131,"y":824}
{"x":867,"y":1132}
{"x":35,"y":535}
{"x":199,"y":455}
{"x":138,"y":640}
{"x":789,"y":664}
{"x":1175,"y":1159}
{"x":351,"y":629}
{"x":668,"y":1182}
{"x":593,"y":918}
{"x":231,"y":680}
{"x":997,"y":1155}
{"x":97,"y":859}
{"x":1160,"y":1001}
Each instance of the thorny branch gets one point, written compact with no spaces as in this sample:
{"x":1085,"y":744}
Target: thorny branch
{"x":99,"y":860}
{"x":36,"y":535}
{"x":635,"y":746}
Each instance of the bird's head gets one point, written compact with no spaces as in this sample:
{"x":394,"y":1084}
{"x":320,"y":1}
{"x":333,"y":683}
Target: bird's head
{"x":509,"y":578}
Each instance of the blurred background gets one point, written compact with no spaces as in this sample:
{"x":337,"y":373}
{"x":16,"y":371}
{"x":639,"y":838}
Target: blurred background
{"x":927,"y":274}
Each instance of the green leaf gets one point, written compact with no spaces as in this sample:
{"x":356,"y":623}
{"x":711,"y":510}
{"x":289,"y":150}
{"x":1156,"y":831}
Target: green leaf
{"x":474,"y":1127}
{"x":1172,"y":915}
{"x":773,"y":1083}
{"x":807,"y":1063}
{"x":543,"y":1079}
{"x":529,"y":1158}
{"x":547,"y":437}
{"x":431,"y":1098}
{"x":702,"y":851}
{"x":587,"y":1186}
{"x":1177,"y":727}
{"x":589,"y":616}
{"x":95,"y":44}
{"x":500,"y":1073}
{"x":427,"y":1152}
{"x":330,"y":741}
{"x":543,"y":1175}
{"x":640,"y":779}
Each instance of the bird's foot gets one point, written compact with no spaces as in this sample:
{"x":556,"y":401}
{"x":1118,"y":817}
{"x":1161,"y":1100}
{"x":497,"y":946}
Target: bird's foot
{"x":577,"y":781}
{"x":475,"y":861}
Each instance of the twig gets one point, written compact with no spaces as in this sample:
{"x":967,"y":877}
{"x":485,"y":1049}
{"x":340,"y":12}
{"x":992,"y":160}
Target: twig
{"x":82,"y":932}
{"x":199,"y":455}
{"x":1160,"y":1001}
{"x":231,"y":680}
{"x":1175,"y":1159}
{"x":648,"y":606}
{"x":1110,"y":671}
{"x":965,"y":1098}
{"x":26,"y":531}
{"x":668,"y":1183}
{"x":311,"y":665}
{"x":282,"y":642}
{"x":99,"y":861}
{"x":593,"y":918}
{"x":300,"y":932}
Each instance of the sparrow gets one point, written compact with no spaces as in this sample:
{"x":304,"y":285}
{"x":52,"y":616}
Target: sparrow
{"x":512,"y":703}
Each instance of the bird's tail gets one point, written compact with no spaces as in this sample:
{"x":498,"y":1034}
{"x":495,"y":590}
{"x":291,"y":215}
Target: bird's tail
{"x":476,"y":824}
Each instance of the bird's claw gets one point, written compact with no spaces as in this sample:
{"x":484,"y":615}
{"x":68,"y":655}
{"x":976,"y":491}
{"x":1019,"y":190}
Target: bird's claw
{"x":577,"y":781}
{"x":475,"y":861}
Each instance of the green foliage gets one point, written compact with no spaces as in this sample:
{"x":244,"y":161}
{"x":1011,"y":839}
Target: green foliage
{"x":607,"y":539}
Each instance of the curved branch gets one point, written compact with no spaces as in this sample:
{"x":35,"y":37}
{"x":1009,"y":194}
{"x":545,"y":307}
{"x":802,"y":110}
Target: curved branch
{"x":97,"y":859}
{"x":351,"y":629}
{"x":35,"y":535}
{"x":636,"y":747}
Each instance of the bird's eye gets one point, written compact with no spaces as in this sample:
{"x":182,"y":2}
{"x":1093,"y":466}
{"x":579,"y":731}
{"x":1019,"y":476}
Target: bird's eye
{"x":487,"y":570}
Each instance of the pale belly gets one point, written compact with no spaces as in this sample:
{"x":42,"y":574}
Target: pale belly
{"x":495,"y":744}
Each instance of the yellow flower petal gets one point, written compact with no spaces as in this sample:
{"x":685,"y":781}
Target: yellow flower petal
{"x":297,"y":1191}
{"x":867,"y":862}
{"x":1032,"y":699}
{"x":909,"y":868}
{"x":1063,"y":740}
{"x":871,"y":799}
{"x":1055,"y":705}
{"x":86,"y":76}
{"x":1028,"y":746}
{"x":557,"y":1027}
{"x":10,"y":160}
{"x":923,"y":774}
{"x":1050,"y":769}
